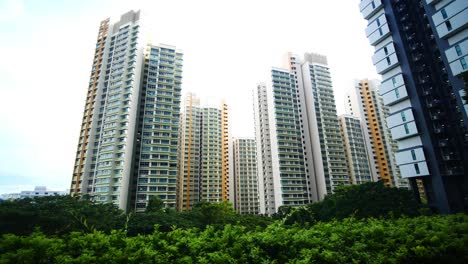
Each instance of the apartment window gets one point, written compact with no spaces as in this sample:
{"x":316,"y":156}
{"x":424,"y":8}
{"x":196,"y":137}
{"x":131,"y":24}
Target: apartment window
{"x":403,"y":116}
{"x":449,"y":25}
{"x":394,"y":82}
{"x":380,"y":31}
{"x":406,"y":129}
{"x":397,"y":93}
{"x":458,"y":50}
{"x":373,"y":6}
{"x":463,"y":63}
{"x":388,"y":61}
{"x":377,"y":20}
{"x":444,"y":13}
{"x":385,"y":50}
{"x":416,"y":168}
{"x":413,"y":154}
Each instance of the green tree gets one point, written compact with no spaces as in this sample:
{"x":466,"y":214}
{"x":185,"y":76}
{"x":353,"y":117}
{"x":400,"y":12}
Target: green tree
{"x":159,"y":220}
{"x":283,"y":211}
{"x":433,"y":239}
{"x":252,"y":222}
{"x":58,"y":215}
{"x":360,"y":201}
{"x":216,"y":214}
{"x":155,"y":204}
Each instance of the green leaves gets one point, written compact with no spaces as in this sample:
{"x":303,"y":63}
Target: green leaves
{"x":155,"y":205}
{"x":61,"y":215}
{"x":338,"y":230}
{"x":58,"y":215}
{"x":359,"y":201}
{"x":435,"y":239}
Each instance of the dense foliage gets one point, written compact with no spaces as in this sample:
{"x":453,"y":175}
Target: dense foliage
{"x":61,"y":215}
{"x":58,"y":215}
{"x":435,"y":239}
{"x":204,"y":214}
{"x":368,"y":223}
{"x":359,"y":201}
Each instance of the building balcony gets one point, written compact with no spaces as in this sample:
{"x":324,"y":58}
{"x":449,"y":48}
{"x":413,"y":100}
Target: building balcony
{"x":449,"y":157}
{"x":370,"y":7}
{"x":437,"y":116}
{"x":433,"y":103}
{"x":444,"y":142}
{"x":439,"y":129}
{"x":432,"y":2}
{"x":428,"y":91}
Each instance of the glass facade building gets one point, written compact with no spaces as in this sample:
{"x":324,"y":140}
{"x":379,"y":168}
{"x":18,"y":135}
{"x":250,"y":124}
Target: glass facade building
{"x":420,"y":50}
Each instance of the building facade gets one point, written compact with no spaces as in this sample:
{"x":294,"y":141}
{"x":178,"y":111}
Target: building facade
{"x":299,"y":144}
{"x":263,"y":141}
{"x":322,"y":119}
{"x":155,"y":167}
{"x":204,"y":154}
{"x":281,"y":164}
{"x":364,"y":102}
{"x":419,"y":50}
{"x":39,"y":191}
{"x":245,"y":176}
{"x":355,"y":149}
{"x":130,"y":120}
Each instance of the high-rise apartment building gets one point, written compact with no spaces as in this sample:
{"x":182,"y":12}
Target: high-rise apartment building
{"x":364,"y":102}
{"x":155,"y":164}
{"x":283,"y":179}
{"x":264,"y":152}
{"x":245,"y":176}
{"x":420,"y":48}
{"x":322,"y":119}
{"x":299,"y":145}
{"x":355,"y":149}
{"x":204,"y":154}
{"x":128,"y":140}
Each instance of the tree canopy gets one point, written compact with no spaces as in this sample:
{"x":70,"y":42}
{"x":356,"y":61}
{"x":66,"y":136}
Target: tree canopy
{"x":368,"y":223}
{"x":58,"y":215}
{"x":435,"y":239}
{"x":359,"y":201}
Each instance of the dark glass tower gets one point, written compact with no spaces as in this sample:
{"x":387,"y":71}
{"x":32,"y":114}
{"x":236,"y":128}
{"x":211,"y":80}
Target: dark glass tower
{"x":420,"y":50}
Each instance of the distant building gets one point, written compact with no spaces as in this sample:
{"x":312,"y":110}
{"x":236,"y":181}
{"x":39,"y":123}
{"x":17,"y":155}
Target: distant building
{"x":364,"y":102}
{"x":355,"y":149}
{"x":10,"y":196}
{"x":245,"y":176}
{"x":39,"y":191}
{"x":128,"y":143}
{"x":317,"y":100}
{"x":300,"y":153}
{"x":204,"y":154}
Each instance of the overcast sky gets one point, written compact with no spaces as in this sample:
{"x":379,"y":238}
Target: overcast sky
{"x":47,"y":47}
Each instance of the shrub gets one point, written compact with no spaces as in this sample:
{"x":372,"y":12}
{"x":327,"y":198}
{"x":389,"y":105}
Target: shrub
{"x":371,"y":199}
{"x":424,"y":239}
